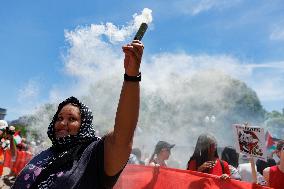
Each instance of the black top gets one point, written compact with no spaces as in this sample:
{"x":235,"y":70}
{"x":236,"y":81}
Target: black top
{"x":85,"y":173}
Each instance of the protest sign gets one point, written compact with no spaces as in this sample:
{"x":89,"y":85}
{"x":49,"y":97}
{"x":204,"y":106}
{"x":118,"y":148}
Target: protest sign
{"x":250,"y":140}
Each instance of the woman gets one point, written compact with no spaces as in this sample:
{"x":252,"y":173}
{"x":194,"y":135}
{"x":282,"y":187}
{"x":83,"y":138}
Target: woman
{"x":161,"y":153}
{"x":231,"y":156}
{"x":274,"y":175}
{"x":261,"y":164}
{"x":79,"y":159}
{"x":205,"y":158}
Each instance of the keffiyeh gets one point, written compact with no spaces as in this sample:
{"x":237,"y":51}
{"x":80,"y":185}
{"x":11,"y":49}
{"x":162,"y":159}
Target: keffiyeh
{"x":86,"y":132}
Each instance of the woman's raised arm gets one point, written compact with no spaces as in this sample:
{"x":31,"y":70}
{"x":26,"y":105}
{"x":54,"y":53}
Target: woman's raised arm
{"x":118,"y":143}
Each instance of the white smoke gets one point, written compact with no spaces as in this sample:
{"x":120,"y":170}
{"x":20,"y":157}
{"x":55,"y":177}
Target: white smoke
{"x":95,"y":49}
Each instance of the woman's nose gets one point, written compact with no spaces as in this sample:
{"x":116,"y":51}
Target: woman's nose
{"x":63,"y":122}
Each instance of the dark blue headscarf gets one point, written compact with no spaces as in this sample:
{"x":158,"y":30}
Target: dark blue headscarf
{"x":86,"y":132}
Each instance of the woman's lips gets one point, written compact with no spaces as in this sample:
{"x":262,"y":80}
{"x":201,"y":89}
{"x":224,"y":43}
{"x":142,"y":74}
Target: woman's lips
{"x":61,"y":133}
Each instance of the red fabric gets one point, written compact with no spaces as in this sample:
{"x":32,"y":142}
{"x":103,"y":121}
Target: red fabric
{"x":149,"y":177}
{"x":1,"y":161}
{"x":23,"y":157}
{"x":1,"y":169}
{"x":276,"y":177}
{"x":7,"y":158}
{"x":216,"y":170}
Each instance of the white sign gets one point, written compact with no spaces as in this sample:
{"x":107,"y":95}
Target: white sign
{"x":250,"y":141}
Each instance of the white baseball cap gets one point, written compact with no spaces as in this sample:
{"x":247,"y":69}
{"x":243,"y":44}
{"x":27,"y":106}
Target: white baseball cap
{"x":3,"y":124}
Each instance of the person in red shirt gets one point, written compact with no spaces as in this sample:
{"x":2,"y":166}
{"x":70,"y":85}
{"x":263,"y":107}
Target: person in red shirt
{"x":10,"y":153}
{"x":205,"y":158}
{"x":274,"y":175}
{"x":22,"y":158}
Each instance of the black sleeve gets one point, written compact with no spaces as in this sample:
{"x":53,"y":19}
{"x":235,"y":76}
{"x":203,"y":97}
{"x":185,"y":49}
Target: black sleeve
{"x":108,"y":181}
{"x":94,"y":176}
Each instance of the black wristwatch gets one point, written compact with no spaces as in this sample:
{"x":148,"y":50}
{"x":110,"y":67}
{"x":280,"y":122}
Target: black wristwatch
{"x":136,"y":78}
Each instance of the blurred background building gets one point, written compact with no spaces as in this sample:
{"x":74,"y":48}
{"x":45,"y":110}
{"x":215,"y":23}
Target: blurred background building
{"x":2,"y":113}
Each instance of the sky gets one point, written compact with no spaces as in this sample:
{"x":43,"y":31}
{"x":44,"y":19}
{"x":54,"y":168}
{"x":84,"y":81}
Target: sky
{"x":53,"y":49}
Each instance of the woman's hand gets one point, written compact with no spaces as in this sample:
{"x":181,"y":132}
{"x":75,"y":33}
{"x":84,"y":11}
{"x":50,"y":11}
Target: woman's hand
{"x":133,"y":55}
{"x":224,"y":177}
{"x":206,"y":165}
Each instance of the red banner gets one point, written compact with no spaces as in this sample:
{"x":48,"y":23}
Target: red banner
{"x":147,"y":177}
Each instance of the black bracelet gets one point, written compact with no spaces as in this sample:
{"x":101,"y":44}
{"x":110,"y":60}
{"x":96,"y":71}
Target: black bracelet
{"x":132,"y":78}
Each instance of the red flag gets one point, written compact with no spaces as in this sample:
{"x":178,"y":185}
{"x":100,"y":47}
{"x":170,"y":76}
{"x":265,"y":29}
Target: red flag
{"x":147,"y":177}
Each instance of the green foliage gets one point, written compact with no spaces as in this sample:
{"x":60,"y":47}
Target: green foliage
{"x":182,"y":110}
{"x":22,"y":128}
{"x":275,"y":123}
{"x":273,"y":114}
{"x":245,"y":104}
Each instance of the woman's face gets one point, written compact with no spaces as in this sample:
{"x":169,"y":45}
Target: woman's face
{"x":165,"y":153}
{"x":68,"y":121}
{"x":212,"y":149}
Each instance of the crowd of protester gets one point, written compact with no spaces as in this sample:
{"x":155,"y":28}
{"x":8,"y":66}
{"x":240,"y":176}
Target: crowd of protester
{"x":231,"y":165}
{"x":15,"y":152}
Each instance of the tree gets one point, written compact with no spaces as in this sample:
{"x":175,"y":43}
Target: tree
{"x":275,"y":123}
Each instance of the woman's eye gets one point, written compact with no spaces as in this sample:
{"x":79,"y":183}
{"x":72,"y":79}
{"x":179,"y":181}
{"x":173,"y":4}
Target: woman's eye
{"x":72,"y":119}
{"x":59,"y":119}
